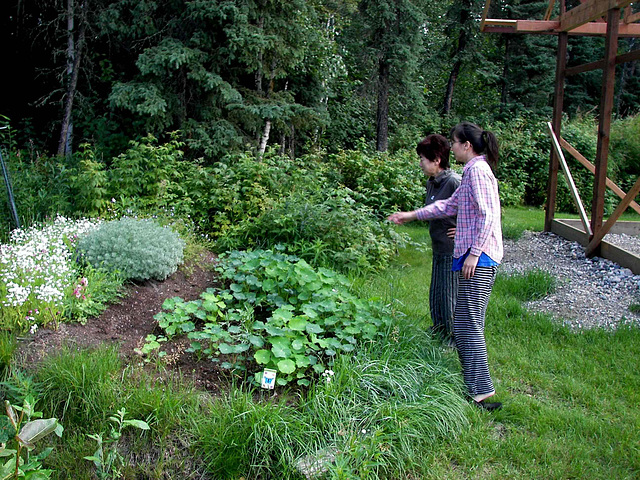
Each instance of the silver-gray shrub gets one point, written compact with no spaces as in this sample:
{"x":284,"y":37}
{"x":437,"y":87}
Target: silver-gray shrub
{"x":140,"y":249}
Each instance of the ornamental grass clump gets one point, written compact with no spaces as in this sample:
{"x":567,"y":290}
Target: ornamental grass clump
{"x":139,"y":249}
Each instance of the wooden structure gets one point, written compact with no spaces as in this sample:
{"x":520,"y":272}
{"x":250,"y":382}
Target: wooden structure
{"x":611,"y":19}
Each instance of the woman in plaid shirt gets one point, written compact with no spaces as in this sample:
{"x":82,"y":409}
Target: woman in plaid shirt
{"x":477,"y":250}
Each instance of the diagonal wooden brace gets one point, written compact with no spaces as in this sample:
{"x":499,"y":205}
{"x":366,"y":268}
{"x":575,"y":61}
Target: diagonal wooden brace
{"x":591,"y":167}
{"x":622,"y":206}
{"x":567,"y":175}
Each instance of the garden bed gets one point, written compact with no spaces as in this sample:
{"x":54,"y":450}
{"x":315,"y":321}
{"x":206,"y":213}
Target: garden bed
{"x":128,"y":323}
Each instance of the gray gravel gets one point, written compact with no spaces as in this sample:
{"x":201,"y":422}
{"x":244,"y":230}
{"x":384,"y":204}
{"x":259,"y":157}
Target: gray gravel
{"x":591,"y":293}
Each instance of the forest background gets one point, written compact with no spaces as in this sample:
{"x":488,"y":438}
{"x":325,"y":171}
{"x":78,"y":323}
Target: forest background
{"x":213,"y":79}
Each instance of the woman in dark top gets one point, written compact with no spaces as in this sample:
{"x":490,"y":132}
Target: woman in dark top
{"x":434,"y":161}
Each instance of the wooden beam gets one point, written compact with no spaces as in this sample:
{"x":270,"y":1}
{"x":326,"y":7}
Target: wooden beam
{"x":556,"y":123}
{"x":599,"y":235}
{"x":565,"y":228}
{"x":485,"y":12}
{"x":604,"y":126}
{"x":552,"y":27}
{"x":588,"y":11}
{"x":591,"y":167}
{"x":587,"y":67}
{"x":567,"y":175}
{"x":549,"y":11}
{"x":630,"y":17}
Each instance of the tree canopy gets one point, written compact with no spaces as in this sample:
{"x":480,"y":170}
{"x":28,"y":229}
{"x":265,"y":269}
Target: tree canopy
{"x":237,"y":74}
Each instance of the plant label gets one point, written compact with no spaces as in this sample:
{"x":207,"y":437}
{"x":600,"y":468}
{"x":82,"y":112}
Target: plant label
{"x":268,"y":379}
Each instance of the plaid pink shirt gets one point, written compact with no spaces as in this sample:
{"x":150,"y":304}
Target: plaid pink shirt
{"x":477,"y":205}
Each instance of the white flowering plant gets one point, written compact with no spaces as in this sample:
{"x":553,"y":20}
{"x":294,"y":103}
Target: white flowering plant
{"x":40,"y":280}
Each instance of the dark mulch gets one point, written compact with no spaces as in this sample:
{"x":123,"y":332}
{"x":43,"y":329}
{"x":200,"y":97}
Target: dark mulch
{"x":128,"y":323}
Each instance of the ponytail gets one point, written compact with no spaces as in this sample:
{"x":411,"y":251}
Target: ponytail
{"x":491,"y":149}
{"x":482,"y":141}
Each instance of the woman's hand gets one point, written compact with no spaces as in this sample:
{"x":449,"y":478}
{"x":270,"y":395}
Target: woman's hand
{"x":469,"y":266}
{"x":401,"y":217}
{"x":451,"y":233}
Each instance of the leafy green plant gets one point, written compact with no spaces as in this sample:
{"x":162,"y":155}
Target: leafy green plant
{"x":298,"y":319}
{"x":138,"y":249}
{"x":383,"y":182}
{"x":330,"y":230}
{"x":23,"y":430}
{"x":107,"y":459}
{"x":89,"y":183}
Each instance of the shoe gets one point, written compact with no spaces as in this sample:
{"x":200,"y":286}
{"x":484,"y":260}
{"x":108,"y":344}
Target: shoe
{"x":488,"y":406}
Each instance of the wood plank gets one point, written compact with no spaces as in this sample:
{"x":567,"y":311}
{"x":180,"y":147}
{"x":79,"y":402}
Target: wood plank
{"x":586,"y":67}
{"x":631,"y":17}
{"x":567,"y":174}
{"x":609,"y":251}
{"x":604,"y":125}
{"x":591,"y":167}
{"x":552,"y":27}
{"x":588,"y":11}
{"x":622,"y":206}
{"x":621,"y":227}
{"x":570,"y":232}
{"x":558,"y":106}
{"x":549,"y":11}
{"x":485,"y":12}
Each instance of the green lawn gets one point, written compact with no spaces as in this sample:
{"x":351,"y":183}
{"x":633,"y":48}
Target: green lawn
{"x":571,"y":399}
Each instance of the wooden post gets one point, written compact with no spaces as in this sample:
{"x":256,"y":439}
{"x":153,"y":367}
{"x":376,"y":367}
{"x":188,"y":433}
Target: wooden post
{"x":558,"y":101}
{"x":604,"y":128}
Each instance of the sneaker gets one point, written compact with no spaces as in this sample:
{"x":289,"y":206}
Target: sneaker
{"x":488,"y":406}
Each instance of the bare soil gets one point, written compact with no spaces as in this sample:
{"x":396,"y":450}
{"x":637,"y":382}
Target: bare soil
{"x":128,"y":322}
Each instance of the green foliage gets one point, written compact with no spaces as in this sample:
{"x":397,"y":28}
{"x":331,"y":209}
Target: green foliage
{"x":89,"y":183}
{"x":277,"y":313}
{"x":108,"y":461}
{"x":137,"y":249}
{"x":79,"y":386}
{"x":334,"y":232}
{"x":625,"y":151}
{"x":8,"y":345}
{"x":241,"y":187}
{"x":383,"y":182}
{"x":524,"y":161}
{"x":21,"y":428}
{"x":151,"y":177}
{"x":41,"y":187}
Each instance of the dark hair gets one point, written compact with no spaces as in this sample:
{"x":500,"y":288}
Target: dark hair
{"x":481,"y":141}
{"x":435,"y":146}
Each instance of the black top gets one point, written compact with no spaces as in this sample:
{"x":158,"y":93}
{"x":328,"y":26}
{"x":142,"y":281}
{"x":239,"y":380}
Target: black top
{"x":442,"y":187}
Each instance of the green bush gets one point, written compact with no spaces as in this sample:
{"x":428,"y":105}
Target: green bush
{"x":624,"y":156}
{"x":334,"y":232}
{"x":385,"y":183}
{"x":138,"y":249}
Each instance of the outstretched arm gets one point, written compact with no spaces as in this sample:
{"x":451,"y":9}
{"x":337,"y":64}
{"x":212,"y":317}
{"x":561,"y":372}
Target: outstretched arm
{"x":402,"y":217}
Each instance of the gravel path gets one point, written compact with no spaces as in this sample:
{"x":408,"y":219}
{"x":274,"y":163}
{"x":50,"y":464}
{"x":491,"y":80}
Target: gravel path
{"x":591,"y":292}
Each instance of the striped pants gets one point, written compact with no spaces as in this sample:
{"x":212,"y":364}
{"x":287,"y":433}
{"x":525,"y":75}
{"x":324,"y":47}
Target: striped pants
{"x":442,"y":293}
{"x":468,"y":328}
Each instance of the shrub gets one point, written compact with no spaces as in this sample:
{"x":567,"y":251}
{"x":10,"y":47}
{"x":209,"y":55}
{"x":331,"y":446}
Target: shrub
{"x":334,"y":231}
{"x":385,"y":183}
{"x":138,"y":249}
